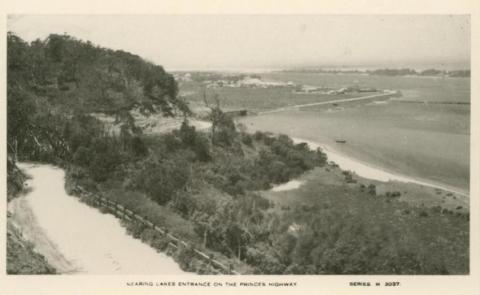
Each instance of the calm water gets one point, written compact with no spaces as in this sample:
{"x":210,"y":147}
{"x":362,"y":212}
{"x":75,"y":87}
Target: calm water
{"x":427,"y":141}
{"x":368,"y":171}
{"x":413,"y":88}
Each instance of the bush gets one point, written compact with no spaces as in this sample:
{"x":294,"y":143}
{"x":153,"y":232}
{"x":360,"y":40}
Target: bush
{"x":83,"y":156}
{"x":171,"y":142}
{"x":182,"y":203}
{"x":103,"y":164}
{"x":372,"y":189}
{"x":362,"y":187}
{"x":185,"y":257}
{"x":393,"y":194}
{"x":423,"y":213}
{"x":258,"y":135}
{"x":138,"y":147}
{"x":202,"y":148}
{"x":162,"y":180}
{"x":188,"y":134}
{"x":247,"y":139}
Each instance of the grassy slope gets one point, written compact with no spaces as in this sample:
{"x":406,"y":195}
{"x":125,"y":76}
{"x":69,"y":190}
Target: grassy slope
{"x":333,"y":178}
{"x":21,"y":257}
{"x":438,"y":236}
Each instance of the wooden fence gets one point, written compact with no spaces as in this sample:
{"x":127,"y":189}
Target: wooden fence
{"x":125,"y":213}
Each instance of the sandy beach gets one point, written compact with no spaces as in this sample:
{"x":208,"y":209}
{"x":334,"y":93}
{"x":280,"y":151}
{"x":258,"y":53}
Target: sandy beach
{"x":369,"y":171}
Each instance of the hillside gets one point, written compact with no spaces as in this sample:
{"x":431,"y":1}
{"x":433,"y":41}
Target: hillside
{"x":68,"y":73}
{"x":205,"y":186}
{"x":55,"y":86}
{"x":52,"y":86}
{"x":51,"y":80}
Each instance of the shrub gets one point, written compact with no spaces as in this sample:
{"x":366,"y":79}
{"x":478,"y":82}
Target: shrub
{"x":258,"y":135}
{"x":247,"y":139}
{"x":172,"y":142}
{"x":372,"y":189}
{"x":185,"y":257}
{"x":138,"y":147}
{"x":423,"y":213}
{"x":162,"y":180}
{"x":188,"y":134}
{"x":82,"y":156}
{"x":202,"y":148}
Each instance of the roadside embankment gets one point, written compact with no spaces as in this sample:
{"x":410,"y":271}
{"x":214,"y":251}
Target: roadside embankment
{"x":77,"y":238}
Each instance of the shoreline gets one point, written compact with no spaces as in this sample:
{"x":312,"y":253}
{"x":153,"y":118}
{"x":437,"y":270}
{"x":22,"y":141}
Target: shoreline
{"x":370,"y":171}
{"x":383,"y":95}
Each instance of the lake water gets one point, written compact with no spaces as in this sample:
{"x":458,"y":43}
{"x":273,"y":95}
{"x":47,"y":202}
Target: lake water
{"x":368,"y":171}
{"x":428,"y":141}
{"x":76,"y":238}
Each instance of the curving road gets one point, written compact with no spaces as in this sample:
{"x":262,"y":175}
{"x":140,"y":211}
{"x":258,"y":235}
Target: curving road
{"x":76,"y":238}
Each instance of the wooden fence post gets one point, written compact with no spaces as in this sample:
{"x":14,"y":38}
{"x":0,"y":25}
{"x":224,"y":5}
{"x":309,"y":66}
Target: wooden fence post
{"x":123,"y":212}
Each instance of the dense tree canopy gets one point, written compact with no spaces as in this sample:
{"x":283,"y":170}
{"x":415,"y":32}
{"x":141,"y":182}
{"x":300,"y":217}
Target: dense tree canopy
{"x":51,"y":80}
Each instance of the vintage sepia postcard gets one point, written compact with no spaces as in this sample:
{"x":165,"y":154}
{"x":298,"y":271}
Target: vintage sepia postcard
{"x":198,"y":148}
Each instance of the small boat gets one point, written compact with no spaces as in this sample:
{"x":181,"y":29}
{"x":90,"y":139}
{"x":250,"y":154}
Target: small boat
{"x":340,"y":141}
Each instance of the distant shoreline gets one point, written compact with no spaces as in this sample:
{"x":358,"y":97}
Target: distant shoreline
{"x":405,"y":72}
{"x":390,"y":72}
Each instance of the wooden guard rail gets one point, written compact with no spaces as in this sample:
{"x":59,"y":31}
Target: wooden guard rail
{"x":123,"y":212}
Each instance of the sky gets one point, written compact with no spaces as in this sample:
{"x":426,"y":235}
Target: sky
{"x":208,"y":42}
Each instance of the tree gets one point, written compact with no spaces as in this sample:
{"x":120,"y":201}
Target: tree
{"x":163,"y":180}
{"x":18,"y":57}
{"x":187,"y":133}
{"x":20,"y":107}
{"x":202,"y":148}
{"x":103,"y":164}
{"x":139,"y":148}
{"x":172,"y":142}
{"x":223,"y":127}
{"x":304,"y":246}
{"x":83,"y":156}
{"x":235,"y":238}
{"x":182,"y":203}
